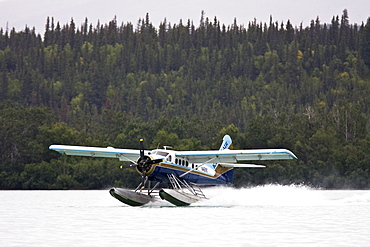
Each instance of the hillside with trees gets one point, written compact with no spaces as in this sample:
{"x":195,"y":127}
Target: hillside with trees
{"x":267,"y":85}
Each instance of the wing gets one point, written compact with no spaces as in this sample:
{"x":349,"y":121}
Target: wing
{"x":235,"y":156}
{"x":109,"y":152}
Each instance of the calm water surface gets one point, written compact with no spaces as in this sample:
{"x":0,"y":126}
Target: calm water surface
{"x":261,"y":216}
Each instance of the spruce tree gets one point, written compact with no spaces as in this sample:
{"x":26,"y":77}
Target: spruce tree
{"x":365,"y":48}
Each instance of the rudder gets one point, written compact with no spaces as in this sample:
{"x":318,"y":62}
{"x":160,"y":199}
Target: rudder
{"x":226,"y":142}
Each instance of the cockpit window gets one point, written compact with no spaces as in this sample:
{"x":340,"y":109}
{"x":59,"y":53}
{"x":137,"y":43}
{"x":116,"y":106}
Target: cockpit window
{"x":161,"y":153}
{"x":169,"y":158}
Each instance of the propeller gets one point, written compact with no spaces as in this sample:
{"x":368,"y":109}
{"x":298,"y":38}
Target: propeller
{"x":143,"y":164}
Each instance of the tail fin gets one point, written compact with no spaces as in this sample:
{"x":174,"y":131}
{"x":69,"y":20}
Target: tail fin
{"x":226,"y":142}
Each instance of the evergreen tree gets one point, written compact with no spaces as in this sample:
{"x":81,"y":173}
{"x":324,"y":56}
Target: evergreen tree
{"x":270,"y":84}
{"x":365,"y":46}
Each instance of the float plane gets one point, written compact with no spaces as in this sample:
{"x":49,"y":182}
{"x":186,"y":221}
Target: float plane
{"x":176,"y":176}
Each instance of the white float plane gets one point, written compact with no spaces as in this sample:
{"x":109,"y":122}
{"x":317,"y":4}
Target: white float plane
{"x":177,"y":175}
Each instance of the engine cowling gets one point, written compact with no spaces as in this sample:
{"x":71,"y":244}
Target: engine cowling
{"x":145,"y":165}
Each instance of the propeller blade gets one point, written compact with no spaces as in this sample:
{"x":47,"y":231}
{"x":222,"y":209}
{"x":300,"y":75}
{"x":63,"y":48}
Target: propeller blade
{"x":143,"y":161}
{"x":145,"y":164}
{"x":143,"y":180}
{"x":127,"y":166}
{"x":156,"y":161}
{"x":142,"y":148}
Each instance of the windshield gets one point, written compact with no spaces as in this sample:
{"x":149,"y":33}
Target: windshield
{"x":161,"y":153}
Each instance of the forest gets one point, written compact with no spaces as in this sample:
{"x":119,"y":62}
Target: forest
{"x":267,"y":85}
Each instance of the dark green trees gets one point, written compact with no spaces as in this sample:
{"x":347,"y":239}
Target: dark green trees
{"x":365,"y":51}
{"x":271,"y":84}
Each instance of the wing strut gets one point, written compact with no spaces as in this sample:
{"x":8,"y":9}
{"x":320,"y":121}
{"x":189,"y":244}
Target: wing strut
{"x":208,"y":161}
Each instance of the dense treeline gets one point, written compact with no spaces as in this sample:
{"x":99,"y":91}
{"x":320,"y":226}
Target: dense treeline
{"x":266,"y":84}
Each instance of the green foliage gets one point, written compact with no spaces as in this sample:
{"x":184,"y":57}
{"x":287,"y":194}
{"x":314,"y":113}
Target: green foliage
{"x":366,"y":43}
{"x":267,"y":85}
{"x":18,"y":135}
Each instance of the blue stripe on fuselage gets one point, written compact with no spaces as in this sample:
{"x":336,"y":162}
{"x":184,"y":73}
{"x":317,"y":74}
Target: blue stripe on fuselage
{"x":161,"y":170}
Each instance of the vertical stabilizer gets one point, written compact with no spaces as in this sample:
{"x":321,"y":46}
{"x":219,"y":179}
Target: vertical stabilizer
{"x":226,"y":142}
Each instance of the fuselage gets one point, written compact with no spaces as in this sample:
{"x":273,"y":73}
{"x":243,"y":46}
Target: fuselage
{"x":197,"y":173}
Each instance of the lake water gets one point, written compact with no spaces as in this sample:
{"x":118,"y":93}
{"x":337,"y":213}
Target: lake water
{"x":270,"y":215}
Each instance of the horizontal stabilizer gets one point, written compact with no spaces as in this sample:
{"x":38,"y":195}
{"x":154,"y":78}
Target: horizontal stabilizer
{"x":242,"y":165}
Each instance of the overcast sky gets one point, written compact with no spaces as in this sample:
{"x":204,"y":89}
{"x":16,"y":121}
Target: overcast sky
{"x":33,"y":13}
